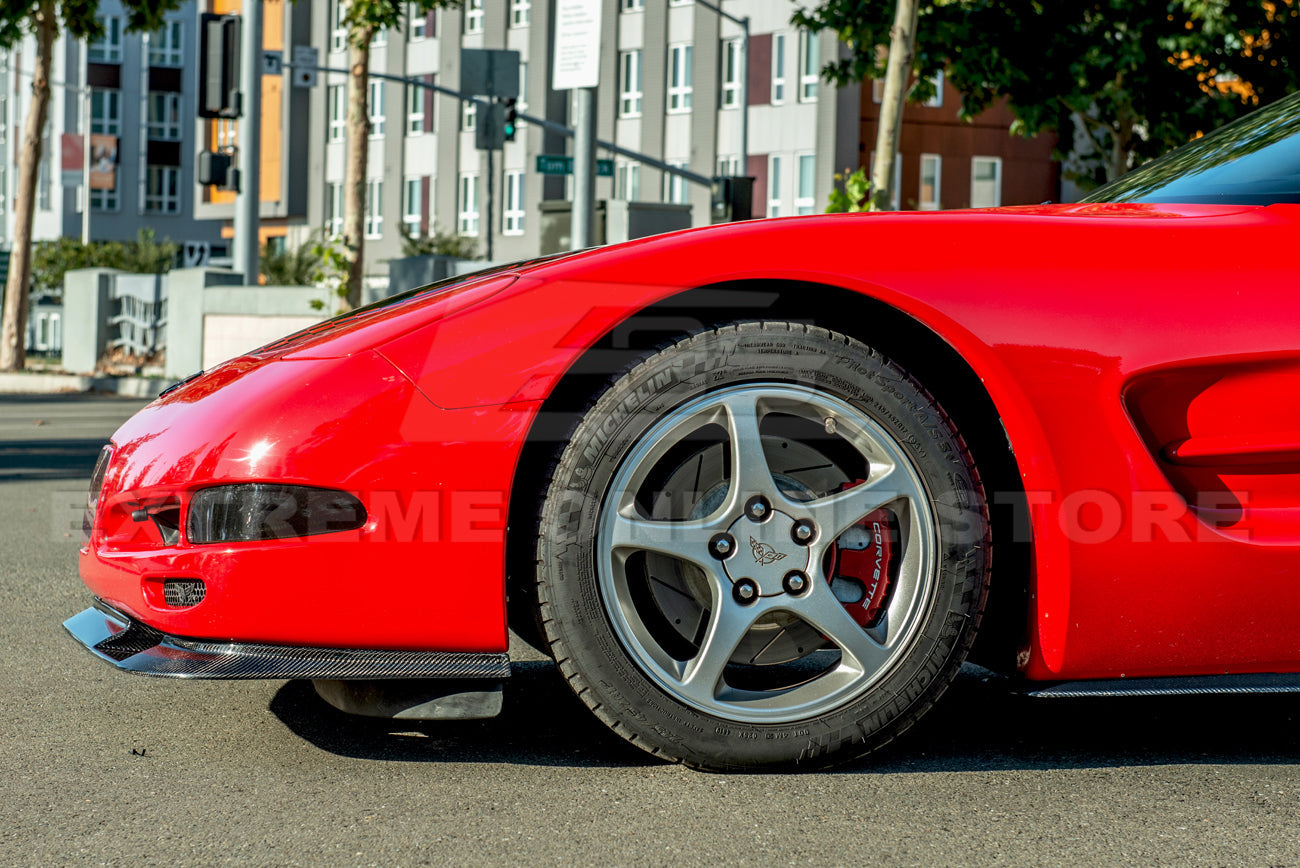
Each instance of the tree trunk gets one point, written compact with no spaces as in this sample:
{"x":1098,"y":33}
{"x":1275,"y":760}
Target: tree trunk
{"x":354,"y":174}
{"x":889,"y":127}
{"x":13,"y":334}
{"x":1121,"y":142}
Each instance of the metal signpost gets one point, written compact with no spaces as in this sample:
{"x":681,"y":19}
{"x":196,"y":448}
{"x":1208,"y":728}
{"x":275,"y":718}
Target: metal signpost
{"x":248,"y":199}
{"x":577,"y":67}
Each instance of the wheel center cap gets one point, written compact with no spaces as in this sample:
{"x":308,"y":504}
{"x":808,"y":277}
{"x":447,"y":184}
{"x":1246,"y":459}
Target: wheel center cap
{"x":765,"y":552}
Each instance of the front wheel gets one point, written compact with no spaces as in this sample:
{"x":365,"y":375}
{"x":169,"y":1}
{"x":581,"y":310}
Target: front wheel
{"x":765,"y":545}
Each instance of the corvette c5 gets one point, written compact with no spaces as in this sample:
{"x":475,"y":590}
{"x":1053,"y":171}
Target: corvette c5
{"x":759,"y":489}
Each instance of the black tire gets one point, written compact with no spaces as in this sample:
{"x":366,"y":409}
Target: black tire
{"x":620,"y":564}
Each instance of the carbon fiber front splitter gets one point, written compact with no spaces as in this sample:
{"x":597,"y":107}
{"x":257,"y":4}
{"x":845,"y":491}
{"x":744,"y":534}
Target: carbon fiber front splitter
{"x":133,"y":646}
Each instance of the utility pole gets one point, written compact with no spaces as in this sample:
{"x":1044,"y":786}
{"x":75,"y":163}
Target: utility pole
{"x":248,"y":199}
{"x":85,"y":142}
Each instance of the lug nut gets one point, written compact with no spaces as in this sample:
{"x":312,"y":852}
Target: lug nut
{"x":721,"y":545}
{"x":795,"y":583}
{"x":745,"y":591}
{"x":757,"y":508}
{"x":803,"y":532}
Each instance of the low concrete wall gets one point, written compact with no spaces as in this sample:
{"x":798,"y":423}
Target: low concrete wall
{"x":213,"y":317}
{"x":51,"y":384}
{"x":85,"y":317}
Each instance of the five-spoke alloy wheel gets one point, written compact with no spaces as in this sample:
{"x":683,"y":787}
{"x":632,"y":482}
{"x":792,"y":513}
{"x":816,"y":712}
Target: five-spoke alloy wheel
{"x":763,"y":545}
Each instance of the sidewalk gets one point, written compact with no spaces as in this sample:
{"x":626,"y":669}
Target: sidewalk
{"x":35,"y":383}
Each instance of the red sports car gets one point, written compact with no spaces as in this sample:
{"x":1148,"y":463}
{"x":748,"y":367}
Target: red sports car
{"x":760,"y":489}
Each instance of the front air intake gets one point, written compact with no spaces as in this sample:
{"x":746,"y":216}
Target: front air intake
{"x":183,"y":593}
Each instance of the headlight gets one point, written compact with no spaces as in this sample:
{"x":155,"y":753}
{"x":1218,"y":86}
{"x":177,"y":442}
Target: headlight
{"x":261,"y":511}
{"x":92,"y":497}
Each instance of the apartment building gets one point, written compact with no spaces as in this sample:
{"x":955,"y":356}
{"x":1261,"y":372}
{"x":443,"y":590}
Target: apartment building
{"x":142,"y":111}
{"x":670,"y":88}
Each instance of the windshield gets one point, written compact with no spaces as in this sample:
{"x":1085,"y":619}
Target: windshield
{"x":1252,"y":161}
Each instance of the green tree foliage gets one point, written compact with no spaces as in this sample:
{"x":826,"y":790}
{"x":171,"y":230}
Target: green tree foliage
{"x":440,"y":244}
{"x":362,"y":19}
{"x":51,"y":260}
{"x":43,"y":20}
{"x":852,"y":192}
{"x":1138,"y":76}
{"x":290,"y":267}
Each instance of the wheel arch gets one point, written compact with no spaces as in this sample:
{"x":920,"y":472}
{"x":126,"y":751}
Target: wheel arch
{"x":916,"y":347}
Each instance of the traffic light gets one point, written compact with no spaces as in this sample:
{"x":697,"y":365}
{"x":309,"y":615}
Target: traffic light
{"x":511,"y":122}
{"x":219,"y":95}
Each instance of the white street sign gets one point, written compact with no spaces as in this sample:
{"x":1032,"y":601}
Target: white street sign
{"x":577,"y":44}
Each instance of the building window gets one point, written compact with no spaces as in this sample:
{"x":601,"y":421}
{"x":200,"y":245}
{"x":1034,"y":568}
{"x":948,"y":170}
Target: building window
{"x":985,"y":182}
{"x":4,"y":109}
{"x":731,"y":73}
{"x":468,"y":116}
{"x":774,"y":185}
{"x":679,"y":78}
{"x":467,"y":205}
{"x":166,"y":46}
{"x":338,"y":33}
{"x":333,"y":209}
{"x":936,"y":101}
{"x":627,"y":181}
{"x":631,"y":5}
{"x":778,"y":68}
{"x":522,"y":102}
{"x":419,"y":22}
{"x":376,"y":107}
{"x":806,"y":191}
{"x":4,"y":189}
{"x":809,"y":66}
{"x":512,"y":222}
{"x":931,"y":169}
{"x":374,"y":218}
{"x":104,"y":200}
{"x":675,"y":185}
{"x":162,"y":191}
{"x":474,"y":21}
{"x":164,"y":121}
{"x":519,"y":12}
{"x":629,"y":97}
{"x":414,"y":110}
{"x":380,"y":39}
{"x":728,"y":167}
{"x":412,"y":206}
{"x":108,"y":48}
{"x":336,"y":95}
{"x":106,"y":112}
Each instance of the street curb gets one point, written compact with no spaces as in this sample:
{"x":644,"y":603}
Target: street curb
{"x":54,"y":384}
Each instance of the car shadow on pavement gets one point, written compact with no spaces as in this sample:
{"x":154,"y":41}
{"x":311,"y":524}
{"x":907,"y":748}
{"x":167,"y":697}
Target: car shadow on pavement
{"x":980,"y":725}
{"x":22,"y":460}
{"x":542,"y":723}
{"x":986,"y":725}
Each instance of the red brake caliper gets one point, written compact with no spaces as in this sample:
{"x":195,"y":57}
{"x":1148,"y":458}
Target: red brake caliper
{"x":860,"y":575}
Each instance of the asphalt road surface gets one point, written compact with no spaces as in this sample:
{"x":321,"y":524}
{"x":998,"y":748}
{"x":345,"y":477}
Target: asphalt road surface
{"x":104,"y":768}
